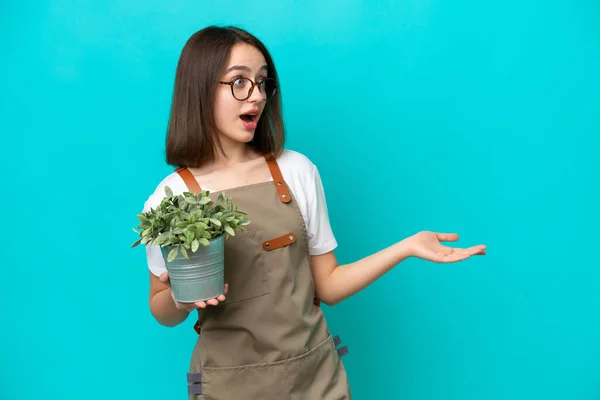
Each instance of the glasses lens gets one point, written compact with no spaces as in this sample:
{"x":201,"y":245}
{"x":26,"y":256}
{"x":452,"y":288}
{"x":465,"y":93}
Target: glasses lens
{"x":241,"y":87}
{"x":268,"y":87}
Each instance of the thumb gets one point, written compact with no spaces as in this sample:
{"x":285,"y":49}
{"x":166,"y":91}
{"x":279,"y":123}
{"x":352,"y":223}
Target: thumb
{"x":164,"y":277}
{"x":447,"y":237}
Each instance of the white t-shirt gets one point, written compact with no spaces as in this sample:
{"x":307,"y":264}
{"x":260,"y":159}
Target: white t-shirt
{"x":304,"y":182}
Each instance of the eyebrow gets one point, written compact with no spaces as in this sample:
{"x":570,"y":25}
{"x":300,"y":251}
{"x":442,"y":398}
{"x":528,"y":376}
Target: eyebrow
{"x":244,"y":68}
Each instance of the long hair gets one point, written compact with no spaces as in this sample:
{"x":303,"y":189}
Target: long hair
{"x":192,"y":137}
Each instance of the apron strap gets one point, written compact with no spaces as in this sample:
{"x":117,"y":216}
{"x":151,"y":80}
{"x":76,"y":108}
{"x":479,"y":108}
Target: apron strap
{"x":282,"y":189}
{"x":341,"y":351}
{"x":189,"y":180}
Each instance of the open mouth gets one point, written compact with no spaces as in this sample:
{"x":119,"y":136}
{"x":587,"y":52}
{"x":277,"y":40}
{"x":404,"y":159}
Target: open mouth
{"x":248,"y":118}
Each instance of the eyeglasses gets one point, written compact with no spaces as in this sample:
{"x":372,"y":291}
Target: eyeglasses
{"x":242,"y":88}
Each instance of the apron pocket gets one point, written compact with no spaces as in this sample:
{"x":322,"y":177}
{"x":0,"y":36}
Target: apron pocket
{"x":316,"y":374}
{"x":245,"y":270}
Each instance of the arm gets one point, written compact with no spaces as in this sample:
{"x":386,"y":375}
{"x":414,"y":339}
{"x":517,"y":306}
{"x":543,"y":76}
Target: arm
{"x":169,"y":312}
{"x":335,"y":283}
{"x":162,"y":306}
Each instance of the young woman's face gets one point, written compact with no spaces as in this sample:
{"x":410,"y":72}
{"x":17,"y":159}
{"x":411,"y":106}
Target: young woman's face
{"x":236,"y":119}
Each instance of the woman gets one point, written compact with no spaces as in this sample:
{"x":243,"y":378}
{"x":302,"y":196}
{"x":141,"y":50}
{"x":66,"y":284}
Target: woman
{"x":265,"y":337}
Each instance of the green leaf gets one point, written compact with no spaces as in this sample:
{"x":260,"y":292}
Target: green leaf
{"x":204,"y":242}
{"x":190,"y":236}
{"x":161,"y":238}
{"x":199,"y":213}
{"x":173,"y":254}
{"x":137,"y":242}
{"x":229,"y":230}
{"x":168,"y":191}
{"x":205,"y":200}
{"x":190,"y":200}
{"x":215,"y":221}
{"x":183,"y":252}
{"x":195,"y":245}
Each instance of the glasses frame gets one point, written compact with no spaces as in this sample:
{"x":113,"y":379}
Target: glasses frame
{"x":251,"y":90}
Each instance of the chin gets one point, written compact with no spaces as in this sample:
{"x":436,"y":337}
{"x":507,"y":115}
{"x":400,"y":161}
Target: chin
{"x":242,"y":137}
{"x":247,"y":137}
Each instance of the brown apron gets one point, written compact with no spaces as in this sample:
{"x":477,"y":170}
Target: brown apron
{"x":269,"y":340}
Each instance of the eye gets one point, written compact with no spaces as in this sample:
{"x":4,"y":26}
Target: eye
{"x":238,"y":81}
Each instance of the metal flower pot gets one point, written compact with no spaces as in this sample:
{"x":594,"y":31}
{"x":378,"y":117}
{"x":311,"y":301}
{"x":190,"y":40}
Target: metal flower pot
{"x":201,"y":277}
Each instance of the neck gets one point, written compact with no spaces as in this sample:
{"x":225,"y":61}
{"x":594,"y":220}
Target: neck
{"x":233,"y":153}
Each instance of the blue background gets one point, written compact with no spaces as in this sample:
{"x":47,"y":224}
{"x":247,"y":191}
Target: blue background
{"x":480,"y":118}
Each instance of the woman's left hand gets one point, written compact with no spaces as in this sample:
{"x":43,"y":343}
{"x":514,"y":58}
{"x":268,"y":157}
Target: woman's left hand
{"x":428,"y":246}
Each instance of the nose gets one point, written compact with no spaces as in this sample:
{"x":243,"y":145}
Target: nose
{"x":256,"y":95}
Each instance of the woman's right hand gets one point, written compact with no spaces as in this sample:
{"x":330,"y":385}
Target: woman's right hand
{"x":164,"y":278}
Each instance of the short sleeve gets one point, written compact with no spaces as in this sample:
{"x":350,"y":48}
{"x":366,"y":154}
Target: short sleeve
{"x":320,"y":234}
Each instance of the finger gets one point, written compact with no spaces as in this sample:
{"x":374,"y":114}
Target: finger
{"x":164,"y":277}
{"x":478,"y":249}
{"x":213,"y":302}
{"x":466,"y":253}
{"x":201,"y":304}
{"x":221,"y":297}
{"x":226,"y":288}
{"x":461,"y":254}
{"x":447,"y":237}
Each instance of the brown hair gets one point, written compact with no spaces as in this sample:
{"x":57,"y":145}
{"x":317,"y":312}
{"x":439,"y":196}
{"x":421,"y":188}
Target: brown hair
{"x":192,"y":134}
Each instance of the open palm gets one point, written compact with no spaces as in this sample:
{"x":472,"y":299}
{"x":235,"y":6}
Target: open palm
{"x":427,"y":245}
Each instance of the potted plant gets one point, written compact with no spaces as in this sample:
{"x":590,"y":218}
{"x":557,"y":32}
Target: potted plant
{"x":191,"y":230}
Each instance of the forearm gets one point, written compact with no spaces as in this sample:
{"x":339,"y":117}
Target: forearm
{"x":164,"y":310}
{"x":349,"y":279}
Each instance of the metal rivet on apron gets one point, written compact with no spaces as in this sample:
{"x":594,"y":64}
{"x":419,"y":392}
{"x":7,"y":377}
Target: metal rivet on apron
{"x":279,"y":183}
{"x":284,"y":196}
{"x":291,"y":238}
{"x":267,"y":245}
